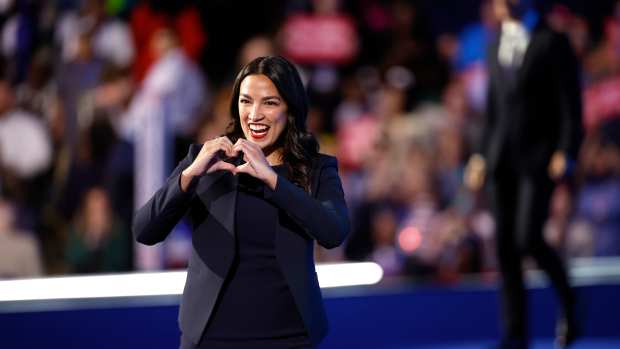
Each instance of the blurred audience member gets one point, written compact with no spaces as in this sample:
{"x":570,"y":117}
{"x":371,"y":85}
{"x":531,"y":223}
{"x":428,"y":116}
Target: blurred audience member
{"x":257,"y":46}
{"x":571,"y":235}
{"x":604,"y":60}
{"x":18,"y":37}
{"x":39,"y":90}
{"x":25,"y":146}
{"x":475,"y":38}
{"x":383,"y":233}
{"x":449,"y":163}
{"x":413,"y":50}
{"x":165,"y":114}
{"x":598,"y":200}
{"x":217,"y":118}
{"x":174,"y":85}
{"x":110,"y":38}
{"x":562,"y":19}
{"x":77,"y":79}
{"x":461,"y":251}
{"x":19,"y":251}
{"x":24,"y":141}
{"x":151,"y":16}
{"x":97,"y":241}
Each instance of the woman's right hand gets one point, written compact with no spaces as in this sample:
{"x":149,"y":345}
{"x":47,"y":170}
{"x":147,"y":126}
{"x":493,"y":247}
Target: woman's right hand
{"x":207,"y":160}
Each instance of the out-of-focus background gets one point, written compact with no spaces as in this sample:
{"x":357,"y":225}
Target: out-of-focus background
{"x":99,"y":99}
{"x":397,"y":91}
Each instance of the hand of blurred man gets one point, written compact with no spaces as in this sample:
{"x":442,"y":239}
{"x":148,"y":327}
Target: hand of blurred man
{"x":557,"y":165}
{"x":475,"y":172}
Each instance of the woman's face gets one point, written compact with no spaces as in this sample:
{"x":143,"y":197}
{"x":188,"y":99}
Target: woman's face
{"x":262,"y":111}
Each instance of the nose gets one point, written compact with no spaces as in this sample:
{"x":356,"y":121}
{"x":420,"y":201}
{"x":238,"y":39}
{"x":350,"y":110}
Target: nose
{"x":255,"y":113}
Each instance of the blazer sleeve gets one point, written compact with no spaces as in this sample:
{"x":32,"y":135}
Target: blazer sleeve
{"x":489,"y":120}
{"x":489,"y":115}
{"x":155,"y":220}
{"x":325,"y":218}
{"x":567,"y":90}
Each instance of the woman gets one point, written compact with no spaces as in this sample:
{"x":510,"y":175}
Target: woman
{"x":257,"y":200}
{"x":97,"y":240}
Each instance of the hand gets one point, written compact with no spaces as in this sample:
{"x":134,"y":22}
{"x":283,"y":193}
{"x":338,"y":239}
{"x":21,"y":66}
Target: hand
{"x":207,"y":160}
{"x":475,"y":172}
{"x":557,"y":165}
{"x":256,"y":165}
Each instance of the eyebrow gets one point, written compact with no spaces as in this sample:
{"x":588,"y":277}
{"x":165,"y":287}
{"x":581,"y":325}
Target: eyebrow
{"x":264,"y":98}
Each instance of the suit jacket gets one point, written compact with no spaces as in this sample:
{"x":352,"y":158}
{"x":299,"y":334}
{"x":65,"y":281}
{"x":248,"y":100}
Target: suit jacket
{"x":209,"y":204}
{"x":536,"y":109}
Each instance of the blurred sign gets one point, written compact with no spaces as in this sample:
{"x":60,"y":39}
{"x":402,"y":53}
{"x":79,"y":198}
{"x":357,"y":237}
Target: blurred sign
{"x":602,"y":101}
{"x":311,"y":39}
{"x":357,"y":138}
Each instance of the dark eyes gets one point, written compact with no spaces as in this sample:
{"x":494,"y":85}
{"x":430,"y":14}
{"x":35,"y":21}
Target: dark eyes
{"x":269,"y":102}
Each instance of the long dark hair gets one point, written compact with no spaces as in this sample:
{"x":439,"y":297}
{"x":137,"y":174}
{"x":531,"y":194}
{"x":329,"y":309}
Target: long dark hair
{"x":299,"y":147}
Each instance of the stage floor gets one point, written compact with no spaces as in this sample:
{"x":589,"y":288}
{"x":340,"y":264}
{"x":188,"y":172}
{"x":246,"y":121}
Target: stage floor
{"x":585,"y":343}
{"x":401,"y":315}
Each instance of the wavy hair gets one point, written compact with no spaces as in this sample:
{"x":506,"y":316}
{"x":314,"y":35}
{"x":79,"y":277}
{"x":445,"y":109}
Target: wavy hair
{"x":299,"y":147}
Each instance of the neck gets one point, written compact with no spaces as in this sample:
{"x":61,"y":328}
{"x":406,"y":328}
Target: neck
{"x":274,"y":157}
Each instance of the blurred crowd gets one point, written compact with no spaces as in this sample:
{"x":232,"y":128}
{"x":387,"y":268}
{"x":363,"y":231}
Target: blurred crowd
{"x":396,"y":93}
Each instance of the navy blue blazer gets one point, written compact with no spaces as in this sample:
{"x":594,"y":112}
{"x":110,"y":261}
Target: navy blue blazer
{"x":209,"y":204}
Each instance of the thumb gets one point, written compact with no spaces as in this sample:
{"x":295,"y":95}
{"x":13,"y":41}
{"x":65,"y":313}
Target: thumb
{"x":221,"y":165}
{"x":245,"y":168}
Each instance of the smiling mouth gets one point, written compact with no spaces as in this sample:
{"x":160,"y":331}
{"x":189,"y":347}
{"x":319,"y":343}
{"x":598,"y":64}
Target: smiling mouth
{"x":258,"y":131}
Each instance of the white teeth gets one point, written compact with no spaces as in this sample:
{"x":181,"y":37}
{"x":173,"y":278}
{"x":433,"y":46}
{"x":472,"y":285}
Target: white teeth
{"x":259,"y":128}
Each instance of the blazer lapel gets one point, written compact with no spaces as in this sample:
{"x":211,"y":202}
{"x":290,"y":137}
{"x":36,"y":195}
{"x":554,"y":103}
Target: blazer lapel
{"x":218,"y":192}
{"x":496,"y":71}
{"x":522,"y":71}
{"x":531,"y":51}
{"x":314,"y":178}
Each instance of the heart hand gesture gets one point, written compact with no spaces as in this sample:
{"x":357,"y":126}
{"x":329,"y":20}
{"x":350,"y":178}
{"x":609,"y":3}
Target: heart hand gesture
{"x":256,"y":164}
{"x":208,"y":161}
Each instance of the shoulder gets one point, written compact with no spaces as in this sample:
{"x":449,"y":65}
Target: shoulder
{"x":550,"y":36}
{"x":325,"y":168}
{"x":323,"y":160}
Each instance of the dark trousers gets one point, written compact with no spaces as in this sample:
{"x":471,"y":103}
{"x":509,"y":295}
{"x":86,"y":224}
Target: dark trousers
{"x":520,"y":204}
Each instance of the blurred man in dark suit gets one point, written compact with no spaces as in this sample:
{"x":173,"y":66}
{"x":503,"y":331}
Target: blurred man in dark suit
{"x":530,"y":138}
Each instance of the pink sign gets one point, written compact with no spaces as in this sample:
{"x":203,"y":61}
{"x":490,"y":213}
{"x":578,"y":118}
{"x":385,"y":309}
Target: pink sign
{"x":601,"y":101}
{"x":311,"y":39}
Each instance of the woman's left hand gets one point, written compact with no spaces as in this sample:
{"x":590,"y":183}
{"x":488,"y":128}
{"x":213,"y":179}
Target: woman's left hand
{"x":256,"y":164}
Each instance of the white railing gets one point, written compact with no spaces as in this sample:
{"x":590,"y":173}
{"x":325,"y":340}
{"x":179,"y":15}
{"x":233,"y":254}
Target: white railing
{"x":158,"y":283}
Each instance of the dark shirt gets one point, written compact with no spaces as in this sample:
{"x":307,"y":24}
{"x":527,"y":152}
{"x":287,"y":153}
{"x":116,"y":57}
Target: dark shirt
{"x":255,"y":303}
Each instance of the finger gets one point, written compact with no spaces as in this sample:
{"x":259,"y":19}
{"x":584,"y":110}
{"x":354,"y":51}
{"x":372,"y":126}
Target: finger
{"x":249,"y":148}
{"x":246,"y":148}
{"x":239,"y":141}
{"x":238,"y":145}
{"x":245,"y":168}
{"x":229,"y":144}
{"x":226,"y":140}
{"x":221,"y":165}
{"x":253,"y":146}
{"x":229,"y":150}
{"x":248,"y":155}
{"x":237,"y":148}
{"x":212,"y":147}
{"x":226,"y":145}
